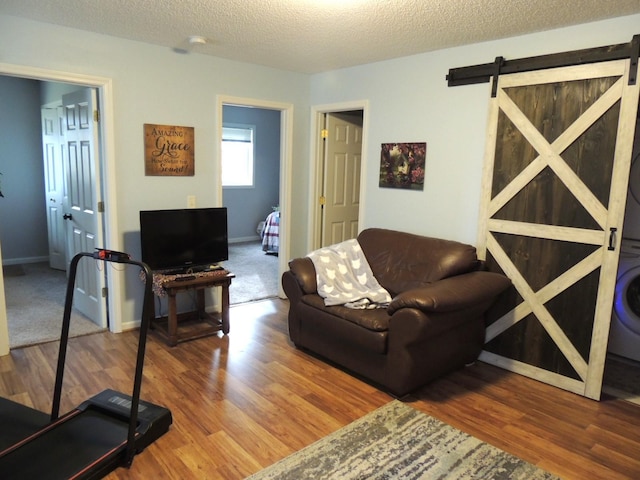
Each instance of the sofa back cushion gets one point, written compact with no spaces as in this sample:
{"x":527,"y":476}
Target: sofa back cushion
{"x":401,"y":261}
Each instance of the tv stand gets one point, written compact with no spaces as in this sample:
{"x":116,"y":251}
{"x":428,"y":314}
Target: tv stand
{"x":189,"y":270}
{"x":194,"y":324}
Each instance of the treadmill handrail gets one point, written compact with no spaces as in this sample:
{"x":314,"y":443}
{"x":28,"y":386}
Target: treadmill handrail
{"x":116,"y":257}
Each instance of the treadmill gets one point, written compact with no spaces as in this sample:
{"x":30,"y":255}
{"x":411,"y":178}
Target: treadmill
{"x":100,"y":435}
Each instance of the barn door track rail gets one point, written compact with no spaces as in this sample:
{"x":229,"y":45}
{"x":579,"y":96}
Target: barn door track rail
{"x":487,"y":71}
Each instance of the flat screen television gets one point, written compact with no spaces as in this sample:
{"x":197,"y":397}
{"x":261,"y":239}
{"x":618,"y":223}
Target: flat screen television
{"x":184,"y":240}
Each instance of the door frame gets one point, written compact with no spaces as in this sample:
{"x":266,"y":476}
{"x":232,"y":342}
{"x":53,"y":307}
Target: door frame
{"x":104,"y":87}
{"x":316,"y":172}
{"x":286,"y":159}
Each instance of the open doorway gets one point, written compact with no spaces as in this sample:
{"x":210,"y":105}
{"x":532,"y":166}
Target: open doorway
{"x":251,"y":193}
{"x":53,"y":151}
{"x":102,"y":87}
{"x":274,"y":112}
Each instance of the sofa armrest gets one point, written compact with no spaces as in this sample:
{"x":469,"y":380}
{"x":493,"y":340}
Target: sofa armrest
{"x":452,"y":293}
{"x":305,"y":273}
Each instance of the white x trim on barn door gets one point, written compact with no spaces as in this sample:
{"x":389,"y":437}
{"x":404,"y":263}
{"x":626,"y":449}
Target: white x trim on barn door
{"x":606,"y":217}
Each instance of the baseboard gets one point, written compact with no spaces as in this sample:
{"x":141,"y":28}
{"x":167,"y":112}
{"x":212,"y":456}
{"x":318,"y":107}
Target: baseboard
{"x":22,"y":261}
{"x":244,"y":239}
{"x":129,"y":325}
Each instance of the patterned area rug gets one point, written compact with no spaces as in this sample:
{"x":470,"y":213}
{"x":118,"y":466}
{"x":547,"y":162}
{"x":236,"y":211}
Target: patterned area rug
{"x":399,"y":442}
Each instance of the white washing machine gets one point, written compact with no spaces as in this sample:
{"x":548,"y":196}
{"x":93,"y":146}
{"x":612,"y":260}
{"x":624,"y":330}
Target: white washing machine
{"x":624,"y":337}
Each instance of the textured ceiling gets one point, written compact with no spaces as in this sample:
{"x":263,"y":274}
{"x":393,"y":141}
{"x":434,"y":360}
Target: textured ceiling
{"x":312,"y":36}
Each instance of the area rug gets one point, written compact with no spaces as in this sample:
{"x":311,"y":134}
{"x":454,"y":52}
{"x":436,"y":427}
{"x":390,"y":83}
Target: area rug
{"x":398,"y":442}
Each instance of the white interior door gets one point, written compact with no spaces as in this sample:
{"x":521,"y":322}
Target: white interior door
{"x":554,"y":189}
{"x":52,"y":152}
{"x":343,"y":155}
{"x":84,"y":232}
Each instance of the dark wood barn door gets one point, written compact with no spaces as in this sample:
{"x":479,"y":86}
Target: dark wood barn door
{"x":555,"y":182}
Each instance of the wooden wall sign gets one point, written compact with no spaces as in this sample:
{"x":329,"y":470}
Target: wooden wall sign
{"x":168,"y":150}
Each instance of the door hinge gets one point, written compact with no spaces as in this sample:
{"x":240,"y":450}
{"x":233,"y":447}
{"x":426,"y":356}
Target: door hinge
{"x":323,"y":200}
{"x":324,"y":133}
{"x":100,"y":207}
{"x":105,"y":292}
{"x":96,"y":115}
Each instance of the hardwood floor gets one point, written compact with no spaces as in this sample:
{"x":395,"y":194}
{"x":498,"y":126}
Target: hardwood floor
{"x":242,"y":402}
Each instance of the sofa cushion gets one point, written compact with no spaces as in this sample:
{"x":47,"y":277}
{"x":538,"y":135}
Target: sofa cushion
{"x":339,"y":329}
{"x":402,"y":261}
{"x":375,"y":319}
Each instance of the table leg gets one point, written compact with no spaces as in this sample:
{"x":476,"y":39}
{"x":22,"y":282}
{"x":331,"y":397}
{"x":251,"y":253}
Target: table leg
{"x":224,"y":314}
{"x":152,"y":313}
{"x":200,"y":303}
{"x":172,"y":321}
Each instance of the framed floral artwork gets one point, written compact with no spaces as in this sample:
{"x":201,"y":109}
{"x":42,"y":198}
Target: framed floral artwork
{"x":402,"y":165}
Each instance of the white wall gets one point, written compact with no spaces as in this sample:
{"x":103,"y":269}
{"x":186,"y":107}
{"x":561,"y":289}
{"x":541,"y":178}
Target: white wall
{"x":408,"y":97}
{"x":410,"y":102}
{"x":153,"y":84}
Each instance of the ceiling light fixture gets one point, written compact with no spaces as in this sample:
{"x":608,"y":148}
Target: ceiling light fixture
{"x":192,"y":41}
{"x":197,"y":40}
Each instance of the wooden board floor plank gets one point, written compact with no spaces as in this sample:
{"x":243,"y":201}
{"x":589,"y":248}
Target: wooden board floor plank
{"x":243,"y":401}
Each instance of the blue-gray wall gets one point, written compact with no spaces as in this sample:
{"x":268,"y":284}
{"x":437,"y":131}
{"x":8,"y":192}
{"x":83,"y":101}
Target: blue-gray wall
{"x":23,"y":221}
{"x":247,"y":206}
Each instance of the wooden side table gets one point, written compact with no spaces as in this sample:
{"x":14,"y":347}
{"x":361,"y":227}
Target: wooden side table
{"x":197,"y":323}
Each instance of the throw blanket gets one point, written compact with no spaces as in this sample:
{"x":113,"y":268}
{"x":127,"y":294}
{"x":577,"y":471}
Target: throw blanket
{"x":344,"y":277}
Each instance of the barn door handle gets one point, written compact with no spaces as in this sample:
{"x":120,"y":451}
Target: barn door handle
{"x":67,"y":216}
{"x":612,"y":238}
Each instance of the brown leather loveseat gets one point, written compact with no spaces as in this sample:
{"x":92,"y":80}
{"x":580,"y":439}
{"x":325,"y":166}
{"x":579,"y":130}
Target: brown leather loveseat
{"x":433,"y":325}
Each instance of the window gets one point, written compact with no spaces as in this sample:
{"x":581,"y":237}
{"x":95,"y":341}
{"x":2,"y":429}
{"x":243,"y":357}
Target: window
{"x":237,"y":155}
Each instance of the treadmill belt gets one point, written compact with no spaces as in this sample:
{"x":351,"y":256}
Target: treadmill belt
{"x":18,"y":422}
{"x":67,"y":449}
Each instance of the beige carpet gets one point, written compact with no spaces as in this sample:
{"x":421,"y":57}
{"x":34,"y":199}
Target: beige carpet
{"x":35,"y":296}
{"x":256,"y":273}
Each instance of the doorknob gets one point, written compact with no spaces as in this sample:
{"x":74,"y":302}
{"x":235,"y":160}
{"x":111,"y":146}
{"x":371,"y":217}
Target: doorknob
{"x":67,"y":216}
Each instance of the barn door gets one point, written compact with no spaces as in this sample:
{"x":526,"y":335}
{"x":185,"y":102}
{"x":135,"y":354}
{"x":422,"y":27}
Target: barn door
{"x":555,"y":182}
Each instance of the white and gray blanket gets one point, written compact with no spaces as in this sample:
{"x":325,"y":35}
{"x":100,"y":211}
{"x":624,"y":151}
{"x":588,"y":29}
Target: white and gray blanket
{"x":344,"y":277}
